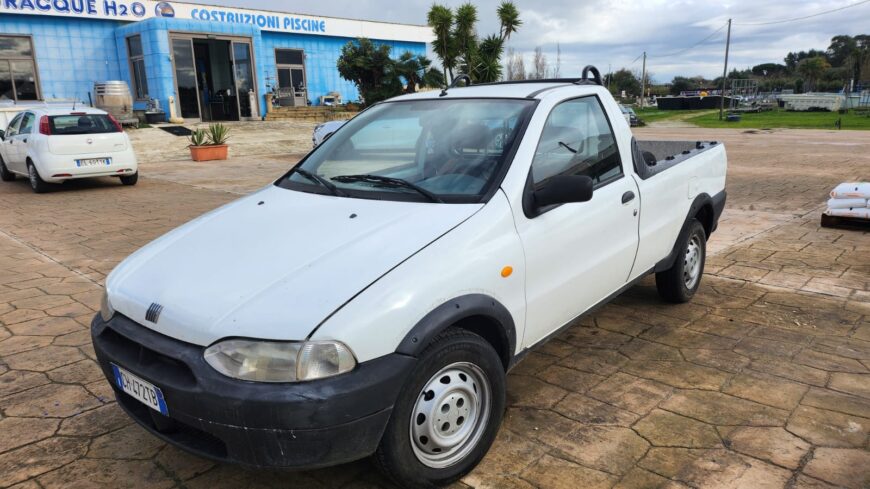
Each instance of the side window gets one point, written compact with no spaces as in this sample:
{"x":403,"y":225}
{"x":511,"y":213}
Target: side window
{"x":577,"y":140}
{"x":27,"y":123}
{"x":12,"y":129}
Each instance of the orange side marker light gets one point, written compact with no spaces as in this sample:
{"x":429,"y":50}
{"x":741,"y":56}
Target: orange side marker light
{"x":507,"y":271}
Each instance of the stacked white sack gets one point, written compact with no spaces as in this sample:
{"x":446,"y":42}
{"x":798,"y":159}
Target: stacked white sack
{"x":851,"y":199}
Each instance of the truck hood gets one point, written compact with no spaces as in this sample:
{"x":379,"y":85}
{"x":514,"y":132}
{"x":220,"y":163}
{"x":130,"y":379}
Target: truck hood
{"x":272,"y":265}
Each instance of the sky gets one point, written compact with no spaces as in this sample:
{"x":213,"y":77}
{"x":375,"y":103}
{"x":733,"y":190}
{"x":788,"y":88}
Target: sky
{"x":612,"y":34}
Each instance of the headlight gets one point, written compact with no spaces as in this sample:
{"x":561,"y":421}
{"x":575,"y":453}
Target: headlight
{"x":106,"y":310}
{"x":272,"y":361}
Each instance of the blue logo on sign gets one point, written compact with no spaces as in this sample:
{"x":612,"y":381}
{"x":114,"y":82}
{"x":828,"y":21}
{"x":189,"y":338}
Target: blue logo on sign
{"x":163,"y":9}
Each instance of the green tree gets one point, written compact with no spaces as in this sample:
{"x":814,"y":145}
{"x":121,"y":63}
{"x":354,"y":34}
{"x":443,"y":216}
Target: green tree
{"x":812,"y":69}
{"x":624,"y":80}
{"x":370,"y":68}
{"x":440,"y":18}
{"x":457,"y":44}
{"x":417,"y":71}
{"x":681,"y":84}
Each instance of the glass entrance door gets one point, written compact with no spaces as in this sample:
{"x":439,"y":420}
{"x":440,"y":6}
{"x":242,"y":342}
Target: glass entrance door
{"x":292,"y":89}
{"x":244,"y":77}
{"x":185,"y":78}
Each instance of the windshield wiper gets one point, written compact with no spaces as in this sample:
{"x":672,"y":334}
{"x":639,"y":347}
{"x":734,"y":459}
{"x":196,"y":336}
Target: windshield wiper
{"x":569,"y":148}
{"x":318,"y":179}
{"x":389,"y":182}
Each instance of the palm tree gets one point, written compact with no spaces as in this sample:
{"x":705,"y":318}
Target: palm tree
{"x":440,"y":18}
{"x":417,"y":71}
{"x":465,"y":36}
{"x":509,"y":17}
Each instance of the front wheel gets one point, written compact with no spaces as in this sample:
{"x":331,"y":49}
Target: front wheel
{"x":680,"y":282}
{"x":5,"y":174}
{"x":447,"y":415}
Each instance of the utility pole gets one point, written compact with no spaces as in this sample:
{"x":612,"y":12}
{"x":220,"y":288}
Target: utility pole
{"x":725,"y":71}
{"x":643,"y":82}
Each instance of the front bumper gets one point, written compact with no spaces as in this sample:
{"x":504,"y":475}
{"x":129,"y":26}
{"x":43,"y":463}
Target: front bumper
{"x":294,"y":426}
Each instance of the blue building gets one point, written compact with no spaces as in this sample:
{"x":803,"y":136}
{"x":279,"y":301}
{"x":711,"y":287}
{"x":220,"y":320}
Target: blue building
{"x":198,"y":61}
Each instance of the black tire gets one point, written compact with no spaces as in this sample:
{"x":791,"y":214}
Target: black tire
{"x":130,"y":179}
{"x":5,"y":174}
{"x":680,"y":282}
{"x":450,"y":352}
{"x":38,"y":185}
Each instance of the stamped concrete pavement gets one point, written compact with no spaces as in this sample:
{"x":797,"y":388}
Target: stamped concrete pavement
{"x":763,"y":380}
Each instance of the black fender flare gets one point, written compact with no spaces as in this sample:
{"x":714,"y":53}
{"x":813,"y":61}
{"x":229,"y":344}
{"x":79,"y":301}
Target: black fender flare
{"x":699,"y":203}
{"x":501,"y":328}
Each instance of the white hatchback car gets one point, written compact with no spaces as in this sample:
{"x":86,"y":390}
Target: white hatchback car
{"x":52,"y":145}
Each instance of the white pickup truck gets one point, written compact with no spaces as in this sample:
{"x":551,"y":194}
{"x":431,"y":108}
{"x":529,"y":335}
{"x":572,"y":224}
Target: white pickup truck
{"x":372,"y":300}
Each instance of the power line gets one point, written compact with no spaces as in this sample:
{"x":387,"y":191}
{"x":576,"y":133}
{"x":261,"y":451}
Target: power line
{"x":696,"y":44}
{"x":783,"y":21}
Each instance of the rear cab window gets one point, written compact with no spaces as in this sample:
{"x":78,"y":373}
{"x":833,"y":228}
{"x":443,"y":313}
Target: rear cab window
{"x":81,"y":124}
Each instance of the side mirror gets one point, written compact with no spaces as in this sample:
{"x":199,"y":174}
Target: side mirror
{"x":564,"y":189}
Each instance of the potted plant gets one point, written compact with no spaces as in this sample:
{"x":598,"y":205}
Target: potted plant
{"x":209,"y":145}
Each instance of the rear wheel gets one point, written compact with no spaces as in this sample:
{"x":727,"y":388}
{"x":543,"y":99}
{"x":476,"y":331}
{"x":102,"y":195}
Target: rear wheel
{"x":447,"y":415}
{"x":130,"y":179}
{"x":36,"y":182}
{"x":680,"y":282}
{"x":5,"y":174}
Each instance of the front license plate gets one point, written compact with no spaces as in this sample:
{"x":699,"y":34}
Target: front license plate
{"x":94,"y":162}
{"x":145,"y":392}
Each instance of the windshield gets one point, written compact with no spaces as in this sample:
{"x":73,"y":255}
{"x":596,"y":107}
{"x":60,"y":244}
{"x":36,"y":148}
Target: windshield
{"x":449,"y":150}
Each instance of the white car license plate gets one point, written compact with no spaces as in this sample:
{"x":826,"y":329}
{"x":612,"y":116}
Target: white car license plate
{"x":145,"y":392}
{"x":94,"y":162}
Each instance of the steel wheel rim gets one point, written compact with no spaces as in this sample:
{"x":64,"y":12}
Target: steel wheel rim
{"x":692,"y":262}
{"x":450,"y":415}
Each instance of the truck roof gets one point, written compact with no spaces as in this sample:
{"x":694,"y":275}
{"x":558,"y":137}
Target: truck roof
{"x":518,"y":89}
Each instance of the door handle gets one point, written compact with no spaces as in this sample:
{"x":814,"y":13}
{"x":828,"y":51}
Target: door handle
{"x":23,"y":140}
{"x":627,"y":197}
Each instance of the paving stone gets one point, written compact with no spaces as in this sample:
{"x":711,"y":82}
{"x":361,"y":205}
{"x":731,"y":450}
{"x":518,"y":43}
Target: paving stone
{"x":554,"y":472}
{"x":665,"y":429}
{"x":829,"y":428}
{"x":44,"y":359}
{"x":836,"y":401}
{"x":828,"y":362}
{"x":509,"y":456}
{"x":526,"y":391}
{"x":121,"y":474}
{"x":15,"y":381}
{"x":82,"y":372}
{"x":844,"y":347}
{"x":47,"y":326}
{"x":720,"y":468}
{"x":766,"y":389}
{"x":38,"y":458}
{"x":611,"y":449}
{"x":589,"y":411}
{"x":78,"y":338}
{"x":724,"y":360}
{"x":533,"y":363}
{"x":130,"y":442}
{"x":848,"y":468}
{"x":601,"y":362}
{"x":721,"y":409}
{"x":18,"y":344}
{"x":855,"y":384}
{"x":685,"y":338}
{"x":639,"y":349}
{"x":806,"y":482}
{"x":570,"y":379}
{"x":22,"y":431}
{"x":639,"y":478}
{"x":670,"y":461}
{"x":678,"y":374}
{"x":53,"y":400}
{"x":95,"y":422}
{"x":722,"y":326}
{"x":774,"y":445}
{"x":791,"y":371}
{"x":630,"y":393}
{"x":594,"y":337}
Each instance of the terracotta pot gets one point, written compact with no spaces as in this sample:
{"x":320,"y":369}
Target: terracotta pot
{"x":209,"y":152}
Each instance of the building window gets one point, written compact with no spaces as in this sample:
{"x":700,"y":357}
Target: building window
{"x":137,"y":67}
{"x":18,"y":78}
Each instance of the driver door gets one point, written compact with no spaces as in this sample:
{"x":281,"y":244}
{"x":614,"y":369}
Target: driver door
{"x":577,"y":254}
